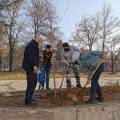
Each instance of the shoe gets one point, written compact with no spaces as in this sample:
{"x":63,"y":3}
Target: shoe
{"x":42,"y":88}
{"x":79,"y":86}
{"x":39,"y":87}
{"x":33,"y":103}
{"x":91,"y":100}
{"x":69,"y":86}
{"x":100,"y":97}
{"x":33,"y":100}
{"x":48,"y":88}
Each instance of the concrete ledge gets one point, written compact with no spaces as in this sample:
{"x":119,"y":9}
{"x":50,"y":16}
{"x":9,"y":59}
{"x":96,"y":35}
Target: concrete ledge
{"x":105,"y":111}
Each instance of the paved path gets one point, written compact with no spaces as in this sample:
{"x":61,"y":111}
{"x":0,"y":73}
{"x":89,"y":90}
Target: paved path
{"x":17,"y":85}
{"x":106,"y":111}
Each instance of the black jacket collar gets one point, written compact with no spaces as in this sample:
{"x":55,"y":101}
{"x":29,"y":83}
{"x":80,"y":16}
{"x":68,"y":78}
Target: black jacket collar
{"x":35,"y":41}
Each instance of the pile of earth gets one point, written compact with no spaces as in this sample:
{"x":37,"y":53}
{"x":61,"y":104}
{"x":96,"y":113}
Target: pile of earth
{"x":64,"y":97}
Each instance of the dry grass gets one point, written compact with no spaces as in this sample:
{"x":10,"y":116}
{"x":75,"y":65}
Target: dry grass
{"x":22,"y":76}
{"x":109,"y":74}
{"x":12,"y":76}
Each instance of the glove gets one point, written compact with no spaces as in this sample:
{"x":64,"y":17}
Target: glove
{"x":39,"y":71}
{"x":66,"y":63}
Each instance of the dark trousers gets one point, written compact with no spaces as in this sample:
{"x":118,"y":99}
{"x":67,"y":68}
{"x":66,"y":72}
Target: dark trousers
{"x":31,"y":85}
{"x":76,"y":70}
{"x":95,"y":87}
{"x":47,"y":76}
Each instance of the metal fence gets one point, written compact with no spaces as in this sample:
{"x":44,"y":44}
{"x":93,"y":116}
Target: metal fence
{"x":59,"y":67}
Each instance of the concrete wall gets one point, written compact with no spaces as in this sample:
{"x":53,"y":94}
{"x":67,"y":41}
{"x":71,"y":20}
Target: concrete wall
{"x":106,"y":111}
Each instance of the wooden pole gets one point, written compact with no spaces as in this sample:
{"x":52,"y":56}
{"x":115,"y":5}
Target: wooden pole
{"x":64,"y":72}
{"x":89,"y":80}
{"x":49,"y":38}
{"x":54,"y":81}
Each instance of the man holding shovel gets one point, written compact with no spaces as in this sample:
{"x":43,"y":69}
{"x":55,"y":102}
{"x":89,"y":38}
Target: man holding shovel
{"x":92,"y":63}
{"x":71,"y":62}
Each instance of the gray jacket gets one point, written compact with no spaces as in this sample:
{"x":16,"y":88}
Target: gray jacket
{"x":67,"y":56}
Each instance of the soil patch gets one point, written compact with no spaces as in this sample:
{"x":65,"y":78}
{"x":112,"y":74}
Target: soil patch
{"x":64,"y":97}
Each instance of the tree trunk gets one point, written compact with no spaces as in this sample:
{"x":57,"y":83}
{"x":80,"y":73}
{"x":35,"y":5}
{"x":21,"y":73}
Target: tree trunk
{"x":112,"y":67}
{"x":112,"y":62}
{"x":35,"y":33}
{"x":103,"y":46}
{"x":10,"y":55}
{"x":90,"y":48}
{"x":0,"y":61}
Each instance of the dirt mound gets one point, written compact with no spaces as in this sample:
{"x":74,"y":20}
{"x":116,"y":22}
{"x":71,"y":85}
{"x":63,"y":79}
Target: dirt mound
{"x":64,"y":97}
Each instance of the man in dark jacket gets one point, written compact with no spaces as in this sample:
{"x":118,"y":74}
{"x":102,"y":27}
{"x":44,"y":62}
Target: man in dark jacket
{"x":30,"y":65}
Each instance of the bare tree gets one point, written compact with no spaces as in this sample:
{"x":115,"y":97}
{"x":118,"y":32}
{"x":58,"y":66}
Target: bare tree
{"x":87,"y":31}
{"x":12,"y":28}
{"x":41,"y":14}
{"x":109,"y":25}
{"x":53,"y":31}
{"x":114,"y":50}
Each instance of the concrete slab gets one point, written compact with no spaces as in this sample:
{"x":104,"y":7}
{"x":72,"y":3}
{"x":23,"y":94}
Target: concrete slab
{"x":18,"y":85}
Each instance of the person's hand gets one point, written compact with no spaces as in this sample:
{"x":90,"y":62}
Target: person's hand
{"x":83,"y":88}
{"x":66,"y":63}
{"x":39,"y":71}
{"x":35,"y":69}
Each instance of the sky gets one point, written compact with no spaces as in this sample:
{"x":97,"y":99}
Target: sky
{"x":71,"y":11}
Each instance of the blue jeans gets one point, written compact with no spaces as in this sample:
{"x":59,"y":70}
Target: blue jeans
{"x":43,"y":76}
{"x":95,"y":87}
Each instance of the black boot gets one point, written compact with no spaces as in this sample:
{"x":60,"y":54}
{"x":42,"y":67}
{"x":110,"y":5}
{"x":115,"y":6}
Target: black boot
{"x":100,"y":97}
{"x":68,"y":83}
{"x":69,"y":86}
{"x":92,"y":99}
{"x":39,"y":86}
{"x":47,"y":87}
{"x":31,"y":103}
{"x":79,"y":86}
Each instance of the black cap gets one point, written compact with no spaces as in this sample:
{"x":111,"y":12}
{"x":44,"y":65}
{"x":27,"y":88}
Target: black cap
{"x":48,"y":46}
{"x":65,"y":44}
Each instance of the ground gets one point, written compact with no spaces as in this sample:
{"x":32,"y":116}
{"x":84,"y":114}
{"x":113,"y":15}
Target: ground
{"x":66,"y":101}
{"x":64,"y":97}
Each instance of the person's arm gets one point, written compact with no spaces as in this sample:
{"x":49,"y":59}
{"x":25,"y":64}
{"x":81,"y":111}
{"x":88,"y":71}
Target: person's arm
{"x":33,"y":58}
{"x":75,"y":48}
{"x":63,"y":60}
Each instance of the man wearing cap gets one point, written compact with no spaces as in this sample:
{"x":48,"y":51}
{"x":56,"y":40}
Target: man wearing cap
{"x":70,"y":57}
{"x":30,"y":65}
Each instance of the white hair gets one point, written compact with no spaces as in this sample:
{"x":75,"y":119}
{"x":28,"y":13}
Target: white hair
{"x":39,"y":34}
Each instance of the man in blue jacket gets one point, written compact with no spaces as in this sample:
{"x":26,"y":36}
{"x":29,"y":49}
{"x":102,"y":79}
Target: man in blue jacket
{"x":89,"y":62}
{"x":30,"y":65}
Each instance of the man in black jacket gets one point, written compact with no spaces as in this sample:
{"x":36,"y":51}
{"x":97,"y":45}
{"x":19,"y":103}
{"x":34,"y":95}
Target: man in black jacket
{"x":30,"y":65}
{"x":45,"y":68}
